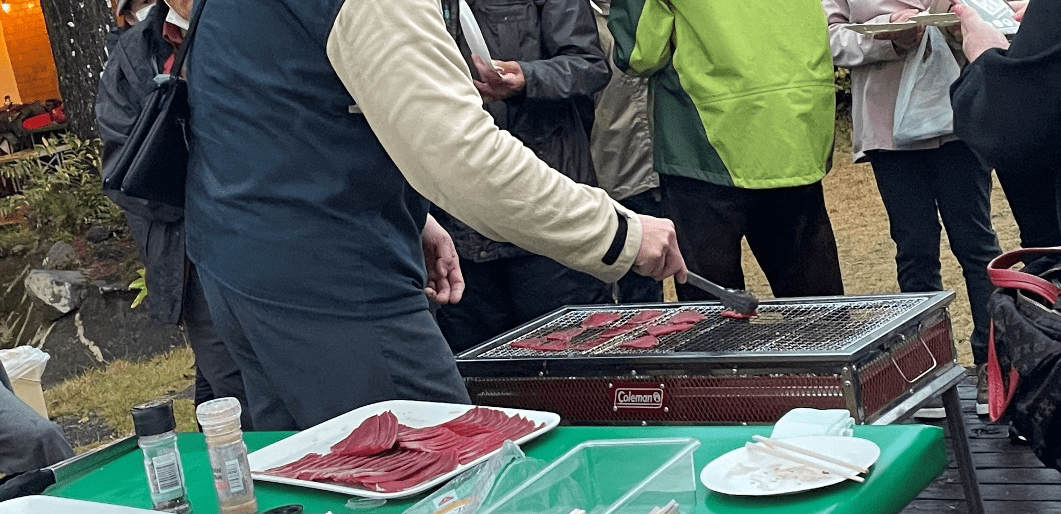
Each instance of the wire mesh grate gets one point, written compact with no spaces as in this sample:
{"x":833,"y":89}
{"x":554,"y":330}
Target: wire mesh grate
{"x":779,"y":327}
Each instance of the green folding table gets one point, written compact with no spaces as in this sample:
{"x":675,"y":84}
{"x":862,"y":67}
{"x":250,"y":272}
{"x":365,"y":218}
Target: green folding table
{"x":912,"y":456}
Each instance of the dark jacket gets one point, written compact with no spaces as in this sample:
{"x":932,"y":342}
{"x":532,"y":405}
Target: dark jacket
{"x":557,"y":46}
{"x":134,"y":60}
{"x":1006,"y":102}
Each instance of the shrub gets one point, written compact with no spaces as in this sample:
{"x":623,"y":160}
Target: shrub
{"x":60,"y":188}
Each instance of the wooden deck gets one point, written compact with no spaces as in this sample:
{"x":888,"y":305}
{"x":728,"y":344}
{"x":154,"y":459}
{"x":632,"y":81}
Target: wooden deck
{"x":1012,"y":480}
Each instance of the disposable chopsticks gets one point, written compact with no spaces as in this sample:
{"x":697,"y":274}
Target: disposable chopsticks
{"x":810,"y":453}
{"x":670,"y":508}
{"x":781,"y":454}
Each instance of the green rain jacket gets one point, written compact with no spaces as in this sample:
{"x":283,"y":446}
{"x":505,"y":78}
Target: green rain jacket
{"x":741,"y":91}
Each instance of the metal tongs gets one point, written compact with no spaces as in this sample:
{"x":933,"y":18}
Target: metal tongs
{"x":739,"y":303}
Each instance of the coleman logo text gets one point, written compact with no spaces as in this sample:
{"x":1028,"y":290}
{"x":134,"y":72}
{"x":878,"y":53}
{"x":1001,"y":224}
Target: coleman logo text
{"x":638,"y":398}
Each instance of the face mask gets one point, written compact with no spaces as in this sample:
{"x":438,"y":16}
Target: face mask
{"x":142,"y":13}
{"x":176,"y":19}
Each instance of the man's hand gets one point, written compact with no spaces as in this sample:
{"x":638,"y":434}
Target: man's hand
{"x":445,"y":283}
{"x":498,"y":84}
{"x":977,"y":35}
{"x":905,"y":39}
{"x":659,"y":256}
{"x":1018,"y":9}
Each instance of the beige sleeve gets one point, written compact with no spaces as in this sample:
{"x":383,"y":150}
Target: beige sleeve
{"x":396,"y":58}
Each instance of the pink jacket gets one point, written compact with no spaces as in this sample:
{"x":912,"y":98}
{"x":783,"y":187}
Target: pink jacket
{"x":876,"y":66}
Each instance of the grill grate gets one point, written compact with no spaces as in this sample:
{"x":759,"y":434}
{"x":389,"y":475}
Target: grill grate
{"x":779,"y":327}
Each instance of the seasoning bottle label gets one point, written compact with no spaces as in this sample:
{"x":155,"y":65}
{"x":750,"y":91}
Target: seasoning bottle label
{"x":234,"y":475}
{"x":167,"y":473}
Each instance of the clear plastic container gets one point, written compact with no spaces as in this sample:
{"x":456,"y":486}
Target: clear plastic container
{"x":228,"y":455}
{"x":611,"y":476}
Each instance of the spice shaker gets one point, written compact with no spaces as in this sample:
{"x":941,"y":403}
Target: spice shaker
{"x":228,"y":455}
{"x":154,"y":424}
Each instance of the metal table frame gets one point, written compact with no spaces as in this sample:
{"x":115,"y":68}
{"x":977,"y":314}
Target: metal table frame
{"x":948,"y":384}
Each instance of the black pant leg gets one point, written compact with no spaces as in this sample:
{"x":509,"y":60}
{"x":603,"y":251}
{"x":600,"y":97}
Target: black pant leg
{"x":790,"y":234}
{"x":710,"y":222}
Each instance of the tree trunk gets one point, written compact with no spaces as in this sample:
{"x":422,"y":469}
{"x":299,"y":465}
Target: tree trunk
{"x":77,"y":30}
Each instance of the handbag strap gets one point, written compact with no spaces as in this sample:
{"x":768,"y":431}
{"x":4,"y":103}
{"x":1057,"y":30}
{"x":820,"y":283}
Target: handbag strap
{"x":186,"y":43}
{"x":1001,"y":274}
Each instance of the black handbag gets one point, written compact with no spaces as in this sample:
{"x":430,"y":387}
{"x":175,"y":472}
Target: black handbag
{"x":153,"y":163}
{"x":1024,"y":349}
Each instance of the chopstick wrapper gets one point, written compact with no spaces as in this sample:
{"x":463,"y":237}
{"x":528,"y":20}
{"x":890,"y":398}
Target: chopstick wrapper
{"x":802,"y":422}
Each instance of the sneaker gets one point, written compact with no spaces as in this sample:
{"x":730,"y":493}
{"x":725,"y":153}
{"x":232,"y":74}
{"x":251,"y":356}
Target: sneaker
{"x":981,"y":390}
{"x":932,"y":410}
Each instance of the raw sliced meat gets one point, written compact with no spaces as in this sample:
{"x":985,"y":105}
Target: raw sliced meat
{"x":420,"y":455}
{"x":644,"y":316}
{"x":686,"y":317}
{"x":532,"y":343}
{"x":662,"y":330}
{"x":565,"y":335}
{"x":445,"y":463}
{"x":619,"y":330}
{"x":600,"y":319}
{"x":554,"y":346}
{"x":641,"y":342}
{"x":376,"y":434}
{"x":591,"y":344}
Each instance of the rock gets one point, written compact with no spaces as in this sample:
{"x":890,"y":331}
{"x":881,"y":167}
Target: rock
{"x":61,"y":292}
{"x":103,"y":330}
{"x":98,"y":234}
{"x":109,"y":252}
{"x":20,"y":250}
{"x":59,"y":255}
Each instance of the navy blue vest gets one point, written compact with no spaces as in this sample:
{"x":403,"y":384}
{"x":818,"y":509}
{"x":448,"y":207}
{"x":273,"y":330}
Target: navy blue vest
{"x":291,"y":198}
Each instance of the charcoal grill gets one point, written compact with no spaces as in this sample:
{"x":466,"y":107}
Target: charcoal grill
{"x":865,"y":354}
{"x":879,"y":356}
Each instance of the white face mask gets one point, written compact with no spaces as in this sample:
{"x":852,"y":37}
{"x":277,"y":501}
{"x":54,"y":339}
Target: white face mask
{"x":142,"y":13}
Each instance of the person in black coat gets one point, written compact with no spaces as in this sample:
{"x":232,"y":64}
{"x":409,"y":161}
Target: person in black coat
{"x":1007,"y":108}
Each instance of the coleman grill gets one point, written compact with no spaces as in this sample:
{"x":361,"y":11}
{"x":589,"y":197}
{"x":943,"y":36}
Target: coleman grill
{"x":865,"y":354}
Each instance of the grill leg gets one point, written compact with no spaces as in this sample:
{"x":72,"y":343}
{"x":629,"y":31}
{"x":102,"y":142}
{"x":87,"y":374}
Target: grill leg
{"x":964,"y":458}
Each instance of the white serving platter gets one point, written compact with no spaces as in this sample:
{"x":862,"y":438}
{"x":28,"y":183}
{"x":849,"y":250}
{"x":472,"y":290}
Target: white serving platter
{"x":746,"y":472}
{"x":55,"y":505}
{"x":320,"y":438}
{"x":869,"y":29}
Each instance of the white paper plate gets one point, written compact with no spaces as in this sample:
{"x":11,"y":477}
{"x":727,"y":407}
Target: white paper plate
{"x":945,"y":19}
{"x":320,"y":438}
{"x":869,"y":29}
{"x":744,"y":472}
{"x":55,"y":505}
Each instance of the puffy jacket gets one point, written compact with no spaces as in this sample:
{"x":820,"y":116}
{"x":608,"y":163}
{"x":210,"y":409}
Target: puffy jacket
{"x":742,"y":92}
{"x":557,"y":46}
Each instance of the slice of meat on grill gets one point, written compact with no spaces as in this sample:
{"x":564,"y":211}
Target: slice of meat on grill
{"x":619,"y":330}
{"x":600,"y":319}
{"x":662,"y":330}
{"x":591,"y":344}
{"x":686,"y":317}
{"x":565,"y":335}
{"x":641,"y":342}
{"x":374,"y":435}
{"x":644,"y":317}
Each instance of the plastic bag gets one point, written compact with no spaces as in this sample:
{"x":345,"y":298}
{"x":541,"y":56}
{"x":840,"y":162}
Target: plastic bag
{"x":470,"y":490}
{"x":922,"y":109}
{"x":24,"y":362}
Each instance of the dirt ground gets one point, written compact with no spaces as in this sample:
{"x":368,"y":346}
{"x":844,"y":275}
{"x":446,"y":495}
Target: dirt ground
{"x":867,"y":254}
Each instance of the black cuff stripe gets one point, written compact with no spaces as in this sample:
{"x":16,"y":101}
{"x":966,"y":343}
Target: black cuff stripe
{"x":618,"y":243}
